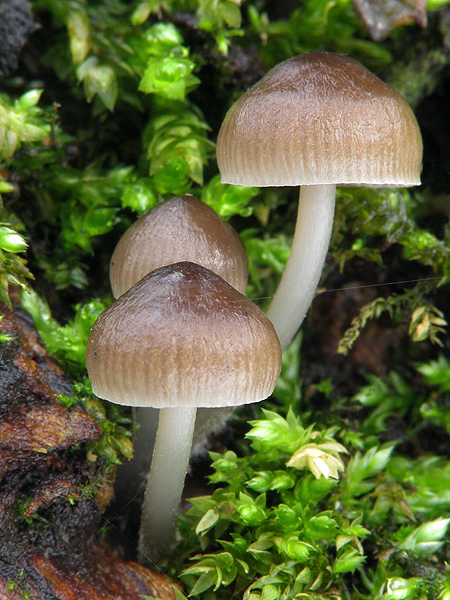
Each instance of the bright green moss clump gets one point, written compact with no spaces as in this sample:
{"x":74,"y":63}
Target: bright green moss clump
{"x":299,"y":515}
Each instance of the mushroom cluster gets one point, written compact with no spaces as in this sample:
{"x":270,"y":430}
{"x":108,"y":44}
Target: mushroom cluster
{"x":181,"y":333}
{"x":179,"y":337}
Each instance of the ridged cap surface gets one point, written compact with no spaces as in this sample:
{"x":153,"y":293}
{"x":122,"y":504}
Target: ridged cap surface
{"x":183,"y":336}
{"x":182,"y":228}
{"x":320,"y":118}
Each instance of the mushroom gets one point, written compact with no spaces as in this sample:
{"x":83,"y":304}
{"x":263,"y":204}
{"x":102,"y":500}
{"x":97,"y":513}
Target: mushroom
{"x":182,"y":228}
{"x":180,"y":338}
{"x":316,"y":120}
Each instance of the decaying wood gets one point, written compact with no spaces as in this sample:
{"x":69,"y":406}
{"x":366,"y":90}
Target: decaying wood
{"x":49,"y":545}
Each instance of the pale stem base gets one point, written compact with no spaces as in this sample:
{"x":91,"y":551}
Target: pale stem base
{"x":166,"y":481}
{"x":301,"y":276}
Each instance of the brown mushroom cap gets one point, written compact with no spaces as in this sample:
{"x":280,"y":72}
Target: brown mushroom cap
{"x":183,"y":336}
{"x":182,"y":228}
{"x":320,"y":118}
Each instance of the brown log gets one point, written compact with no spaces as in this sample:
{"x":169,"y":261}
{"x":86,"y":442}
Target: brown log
{"x":49,"y":542}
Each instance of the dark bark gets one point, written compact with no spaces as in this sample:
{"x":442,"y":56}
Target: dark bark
{"x":49,"y":544}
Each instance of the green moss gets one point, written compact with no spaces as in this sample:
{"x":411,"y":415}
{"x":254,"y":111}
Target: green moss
{"x":116,"y":107}
{"x":282,"y":523}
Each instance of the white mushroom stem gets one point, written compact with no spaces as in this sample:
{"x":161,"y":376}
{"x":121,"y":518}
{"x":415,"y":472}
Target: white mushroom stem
{"x":166,"y":481}
{"x":301,"y":276}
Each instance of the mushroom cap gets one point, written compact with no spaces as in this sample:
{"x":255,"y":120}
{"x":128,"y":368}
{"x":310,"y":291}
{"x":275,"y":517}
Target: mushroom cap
{"x":182,"y":228}
{"x":320,"y":118}
{"x":182,"y":336}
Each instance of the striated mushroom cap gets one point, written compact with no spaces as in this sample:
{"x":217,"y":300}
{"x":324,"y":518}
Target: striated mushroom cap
{"x":182,"y":228}
{"x":183,"y":336}
{"x":320,"y":118}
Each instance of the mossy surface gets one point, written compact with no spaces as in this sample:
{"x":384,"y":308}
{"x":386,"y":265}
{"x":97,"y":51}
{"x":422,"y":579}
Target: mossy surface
{"x":115,"y":106}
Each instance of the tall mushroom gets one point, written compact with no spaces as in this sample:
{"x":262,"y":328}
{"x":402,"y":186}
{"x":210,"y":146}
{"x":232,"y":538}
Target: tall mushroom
{"x":180,"y":338}
{"x":317,"y":120}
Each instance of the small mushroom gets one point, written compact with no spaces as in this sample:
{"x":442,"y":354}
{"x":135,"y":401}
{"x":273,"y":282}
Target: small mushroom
{"x":317,"y":120}
{"x":181,"y":338}
{"x":182,"y":228}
